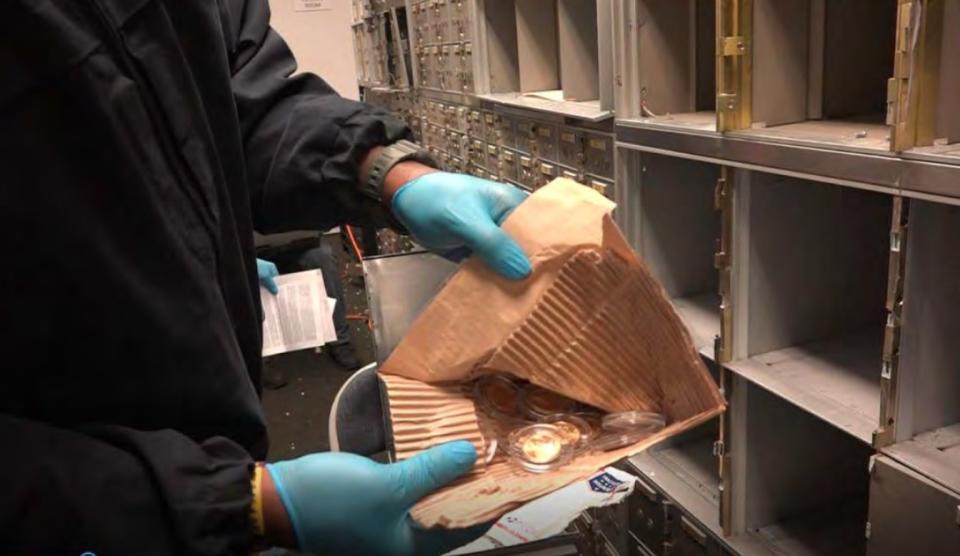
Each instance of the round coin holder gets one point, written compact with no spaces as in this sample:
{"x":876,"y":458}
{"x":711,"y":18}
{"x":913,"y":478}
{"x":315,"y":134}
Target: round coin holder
{"x":491,"y":451}
{"x":498,"y":396}
{"x":611,"y":440}
{"x":577,"y":430}
{"x":539,"y":447}
{"x":537,"y":402}
{"x":629,"y":421}
{"x":593,"y":418}
{"x":626,"y":428}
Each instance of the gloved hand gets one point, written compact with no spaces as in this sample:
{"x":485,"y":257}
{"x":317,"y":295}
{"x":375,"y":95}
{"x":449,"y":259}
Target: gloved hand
{"x":341,"y":503}
{"x":456,"y":214}
{"x":267,"y":271}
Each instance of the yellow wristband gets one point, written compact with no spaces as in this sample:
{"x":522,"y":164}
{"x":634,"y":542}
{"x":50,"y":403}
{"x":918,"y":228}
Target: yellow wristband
{"x":256,"y":504}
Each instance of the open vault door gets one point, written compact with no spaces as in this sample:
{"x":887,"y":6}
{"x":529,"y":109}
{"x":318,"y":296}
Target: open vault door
{"x":398,"y":288}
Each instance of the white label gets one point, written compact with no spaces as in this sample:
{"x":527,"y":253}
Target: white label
{"x":311,"y":5}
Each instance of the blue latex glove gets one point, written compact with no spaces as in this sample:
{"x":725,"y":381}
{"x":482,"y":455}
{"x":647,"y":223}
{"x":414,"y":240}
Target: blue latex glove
{"x":455,"y":214}
{"x":344,"y":504}
{"x":267,"y":271}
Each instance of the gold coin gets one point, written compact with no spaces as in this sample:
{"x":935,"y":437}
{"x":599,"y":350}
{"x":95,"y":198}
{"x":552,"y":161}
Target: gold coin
{"x":569,"y":433}
{"x":541,"y":446}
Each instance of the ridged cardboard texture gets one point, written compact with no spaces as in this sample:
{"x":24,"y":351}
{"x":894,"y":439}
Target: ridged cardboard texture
{"x":424,"y":415}
{"x":591,"y":323}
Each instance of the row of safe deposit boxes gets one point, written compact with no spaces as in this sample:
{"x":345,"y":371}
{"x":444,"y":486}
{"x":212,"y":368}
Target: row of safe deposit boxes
{"x":521,"y":150}
{"x":442,"y":45}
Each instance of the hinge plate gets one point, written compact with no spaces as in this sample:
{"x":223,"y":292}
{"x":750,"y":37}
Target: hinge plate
{"x":719,"y":448}
{"x":733,"y":46}
{"x":727,"y":102}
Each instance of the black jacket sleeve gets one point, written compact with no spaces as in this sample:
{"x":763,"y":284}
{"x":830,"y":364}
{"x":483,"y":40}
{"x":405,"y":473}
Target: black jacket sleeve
{"x":303,"y":141}
{"x":113,"y":490}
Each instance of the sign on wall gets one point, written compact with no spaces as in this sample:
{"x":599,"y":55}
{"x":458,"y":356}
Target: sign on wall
{"x":311,"y":5}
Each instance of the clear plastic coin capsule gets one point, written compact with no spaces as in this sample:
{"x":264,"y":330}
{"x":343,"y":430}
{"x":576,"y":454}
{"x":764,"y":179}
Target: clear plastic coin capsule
{"x":539,"y":448}
{"x":576,"y":430}
{"x":634,"y":421}
{"x":497,"y":395}
{"x":539,"y":402}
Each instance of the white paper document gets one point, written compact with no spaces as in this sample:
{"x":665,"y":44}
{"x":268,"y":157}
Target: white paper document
{"x":300,"y":316}
{"x":549,"y":515}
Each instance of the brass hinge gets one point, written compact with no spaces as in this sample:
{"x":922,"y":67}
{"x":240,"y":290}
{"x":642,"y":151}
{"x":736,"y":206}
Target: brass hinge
{"x":893,"y":100}
{"x":720,"y":197}
{"x":719,"y":449}
{"x":720,"y":193}
{"x":727,"y":102}
{"x":722,"y":259}
{"x":733,"y":46}
{"x":725,"y":502}
{"x":734,"y":32}
{"x":890,"y":360}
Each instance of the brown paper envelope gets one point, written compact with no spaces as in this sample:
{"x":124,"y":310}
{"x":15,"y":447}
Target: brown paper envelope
{"x":590,"y":322}
{"x":477,"y":308}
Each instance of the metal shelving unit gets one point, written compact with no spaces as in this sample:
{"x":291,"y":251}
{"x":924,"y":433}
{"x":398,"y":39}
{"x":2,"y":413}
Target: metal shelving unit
{"x":553,"y":57}
{"x":790,"y":170}
{"x":673,"y":225}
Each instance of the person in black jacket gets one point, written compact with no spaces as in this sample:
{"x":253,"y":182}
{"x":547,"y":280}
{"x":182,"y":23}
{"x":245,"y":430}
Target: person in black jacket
{"x":142,"y":143}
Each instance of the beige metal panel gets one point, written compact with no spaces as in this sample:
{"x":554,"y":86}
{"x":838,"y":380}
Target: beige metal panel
{"x":670,"y":219}
{"x":799,"y":469}
{"x":817,"y":18}
{"x":934,"y":454}
{"x":398,"y":289}
{"x":910,"y":514}
{"x":818,"y":261}
{"x":864,"y":134}
{"x":929,"y":384}
{"x":680,"y":225}
{"x":665,"y":55}
{"x":914,"y":175}
{"x":577,"y":36}
{"x":605,"y":52}
{"x":948,"y":119}
{"x":780,"y":61}
{"x":734,"y":464}
{"x":626,"y":55}
{"x":501,"y":40}
{"x":837,"y":380}
{"x":627,"y":196}
{"x":685,"y":472}
{"x":537,"y":45}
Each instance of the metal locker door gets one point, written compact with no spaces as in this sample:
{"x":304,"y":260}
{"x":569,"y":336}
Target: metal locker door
{"x":491,"y":124}
{"x":547,"y":141}
{"x":687,"y":537}
{"x":571,"y":148}
{"x":508,"y":164}
{"x":493,"y":158}
{"x":598,"y":155}
{"x":506,"y":133}
{"x":647,"y":517}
